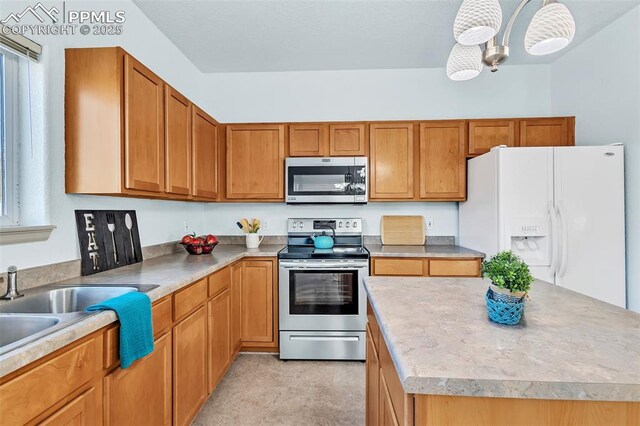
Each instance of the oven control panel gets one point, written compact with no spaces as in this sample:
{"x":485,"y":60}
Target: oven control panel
{"x":341,"y":226}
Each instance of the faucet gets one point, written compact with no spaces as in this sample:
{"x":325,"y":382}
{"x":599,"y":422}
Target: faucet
{"x":12,"y":284}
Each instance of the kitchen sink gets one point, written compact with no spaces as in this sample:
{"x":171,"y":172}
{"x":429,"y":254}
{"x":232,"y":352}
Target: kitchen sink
{"x":17,"y":327}
{"x":51,"y":308}
{"x":66,"y":299}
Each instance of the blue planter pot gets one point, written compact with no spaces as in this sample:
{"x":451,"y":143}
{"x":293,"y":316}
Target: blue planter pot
{"x":504,"y":309}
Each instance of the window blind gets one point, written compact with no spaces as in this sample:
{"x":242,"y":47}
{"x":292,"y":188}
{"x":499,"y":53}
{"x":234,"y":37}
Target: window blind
{"x":20,"y":44}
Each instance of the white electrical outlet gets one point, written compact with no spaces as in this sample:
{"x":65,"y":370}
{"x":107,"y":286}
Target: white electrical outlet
{"x":265,"y":225}
{"x":429,"y":224}
{"x":186,"y":227}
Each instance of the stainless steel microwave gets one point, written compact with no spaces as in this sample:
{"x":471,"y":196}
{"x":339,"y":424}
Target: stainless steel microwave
{"x":335,"y":180}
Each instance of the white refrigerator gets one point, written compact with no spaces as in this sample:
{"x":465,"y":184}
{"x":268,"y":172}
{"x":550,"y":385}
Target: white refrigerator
{"x":561,"y":209}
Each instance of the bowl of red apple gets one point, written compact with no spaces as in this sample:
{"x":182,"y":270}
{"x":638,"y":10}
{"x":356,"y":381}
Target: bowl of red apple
{"x":203,"y":244}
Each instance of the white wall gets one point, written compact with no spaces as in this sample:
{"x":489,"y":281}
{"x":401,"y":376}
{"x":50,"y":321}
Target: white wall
{"x":238,"y":97}
{"x":159,"y":221}
{"x":599,"y":82}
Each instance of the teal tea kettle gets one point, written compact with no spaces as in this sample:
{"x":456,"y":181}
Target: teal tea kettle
{"x":323,"y":241}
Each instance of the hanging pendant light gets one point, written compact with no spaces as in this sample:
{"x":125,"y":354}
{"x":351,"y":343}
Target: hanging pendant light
{"x":477,"y":21}
{"x":464,"y":63}
{"x":551,"y":29}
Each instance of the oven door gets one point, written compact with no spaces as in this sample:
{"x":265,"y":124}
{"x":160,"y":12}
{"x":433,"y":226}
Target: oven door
{"x":322,"y":296}
{"x":326,"y":180}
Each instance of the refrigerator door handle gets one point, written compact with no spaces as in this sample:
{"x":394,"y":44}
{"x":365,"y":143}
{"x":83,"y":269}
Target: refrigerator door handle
{"x":554,"y":238}
{"x":563,"y":234}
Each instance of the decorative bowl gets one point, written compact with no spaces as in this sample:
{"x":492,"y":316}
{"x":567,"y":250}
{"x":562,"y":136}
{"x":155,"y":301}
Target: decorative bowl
{"x":199,"y":248}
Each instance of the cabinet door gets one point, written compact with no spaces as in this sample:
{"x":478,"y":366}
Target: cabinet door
{"x":144,"y":127}
{"x":189,"y":366}
{"x":219,"y":309}
{"x":257,"y":301}
{"x":177,"y":142}
{"x":547,"y":131}
{"x":485,"y":134}
{"x":205,"y":155}
{"x":149,"y":381}
{"x":84,"y":410}
{"x":236,"y":306}
{"x":347,"y":140}
{"x":442,"y":160}
{"x":308,"y":140}
{"x":387,"y":415}
{"x":391,"y":161}
{"x":255,"y":162}
{"x":373,"y":383}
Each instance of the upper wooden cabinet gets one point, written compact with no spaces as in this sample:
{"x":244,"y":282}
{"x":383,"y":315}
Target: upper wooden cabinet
{"x":391,"y":161}
{"x":485,"y":134}
{"x":554,"y":131}
{"x":144,"y":127}
{"x":255,"y":162}
{"x":205,"y":156}
{"x":308,"y":140}
{"x":442,"y":160}
{"x":347,"y":139}
{"x":177,"y":142}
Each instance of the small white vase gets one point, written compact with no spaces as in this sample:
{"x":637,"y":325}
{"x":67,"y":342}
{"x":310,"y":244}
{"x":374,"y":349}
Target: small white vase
{"x":253,"y":240}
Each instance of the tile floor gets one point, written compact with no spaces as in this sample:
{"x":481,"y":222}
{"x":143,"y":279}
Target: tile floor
{"x":260,"y":389}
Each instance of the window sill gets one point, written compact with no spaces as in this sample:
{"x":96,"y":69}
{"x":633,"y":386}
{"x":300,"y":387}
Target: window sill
{"x":24,"y":234}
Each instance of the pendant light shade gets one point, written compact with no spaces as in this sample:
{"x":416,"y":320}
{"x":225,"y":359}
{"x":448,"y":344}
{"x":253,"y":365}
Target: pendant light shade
{"x":465,"y":62}
{"x":551,"y":29}
{"x":477,"y":21}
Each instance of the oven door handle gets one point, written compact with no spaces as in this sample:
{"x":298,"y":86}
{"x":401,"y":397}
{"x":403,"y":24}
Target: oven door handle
{"x":326,"y":338}
{"x":325,"y":265}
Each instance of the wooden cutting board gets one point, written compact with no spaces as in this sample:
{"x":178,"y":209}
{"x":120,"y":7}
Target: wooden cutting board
{"x":402,"y":230}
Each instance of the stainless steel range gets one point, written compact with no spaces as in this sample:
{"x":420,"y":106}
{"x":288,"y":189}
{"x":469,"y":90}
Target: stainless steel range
{"x":322,"y":298}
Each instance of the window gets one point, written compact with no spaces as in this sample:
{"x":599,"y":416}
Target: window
{"x":9,"y":214}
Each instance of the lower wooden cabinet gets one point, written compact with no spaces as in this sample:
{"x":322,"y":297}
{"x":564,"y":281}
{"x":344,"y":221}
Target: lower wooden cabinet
{"x":373,"y":382}
{"x":84,"y":410}
{"x":425,"y":267}
{"x":236,"y":306}
{"x":141,"y":394}
{"x":189,"y":366}
{"x":258,"y":295}
{"x":387,"y":415}
{"x":220,"y":350}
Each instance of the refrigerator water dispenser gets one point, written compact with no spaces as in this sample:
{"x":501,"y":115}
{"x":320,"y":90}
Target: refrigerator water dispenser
{"x":530,"y":240}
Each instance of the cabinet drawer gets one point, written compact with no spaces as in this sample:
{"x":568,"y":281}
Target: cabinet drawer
{"x":399,"y":267}
{"x":219,"y":281}
{"x":161,"y":318}
{"x":33,"y":392}
{"x":454,"y":268}
{"x":188,"y":299}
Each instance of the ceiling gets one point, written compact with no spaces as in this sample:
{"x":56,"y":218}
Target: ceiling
{"x":301,"y":35}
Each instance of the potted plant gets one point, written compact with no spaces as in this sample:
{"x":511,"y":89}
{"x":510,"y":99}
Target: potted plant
{"x":510,"y":282}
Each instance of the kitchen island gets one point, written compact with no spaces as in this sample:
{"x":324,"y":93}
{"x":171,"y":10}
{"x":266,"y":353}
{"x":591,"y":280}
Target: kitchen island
{"x":434,"y":358}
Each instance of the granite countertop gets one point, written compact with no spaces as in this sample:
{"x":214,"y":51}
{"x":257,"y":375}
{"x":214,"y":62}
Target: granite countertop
{"x":171,"y":272}
{"x":379,"y":250}
{"x":568,"y":346}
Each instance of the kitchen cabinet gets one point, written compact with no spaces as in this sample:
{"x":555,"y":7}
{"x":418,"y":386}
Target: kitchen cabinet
{"x":347,"y":139}
{"x":372,"y":382}
{"x":147,"y":380}
{"x":387,"y":414}
{"x":177,"y":143}
{"x":425,"y":267}
{"x":205,"y":156}
{"x":308,"y":140}
{"x":236,"y":306}
{"x":258,"y":293}
{"x":552,"y":131}
{"x":391,"y":161}
{"x":255,"y":162}
{"x":190,"y":387}
{"x":486,"y":134}
{"x":84,"y":410}
{"x":442,"y":160}
{"x":144,"y":127}
{"x":220,"y":350}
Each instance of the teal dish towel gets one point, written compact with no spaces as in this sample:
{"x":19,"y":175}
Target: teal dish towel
{"x":136,"y":329}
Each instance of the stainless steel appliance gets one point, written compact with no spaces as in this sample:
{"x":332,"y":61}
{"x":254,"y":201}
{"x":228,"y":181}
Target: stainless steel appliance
{"x":323,"y":303}
{"x":326,"y":180}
